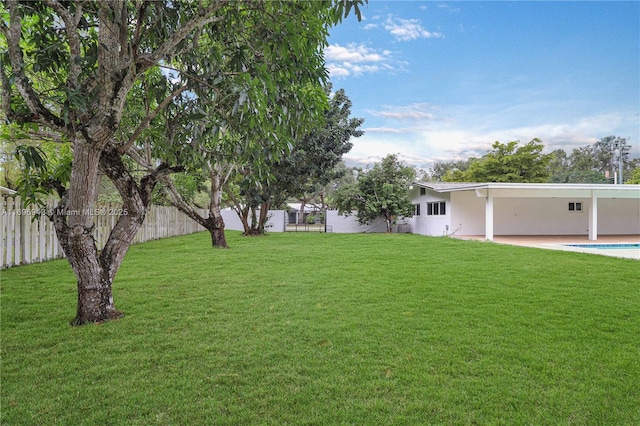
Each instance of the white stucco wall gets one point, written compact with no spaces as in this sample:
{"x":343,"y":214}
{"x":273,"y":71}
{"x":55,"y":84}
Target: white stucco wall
{"x":551,"y":216}
{"x":437,"y":225}
{"x":539,"y":216}
{"x":467,"y":213}
{"x":349,"y":224}
{"x":275,"y":223}
{"x":618,"y":216}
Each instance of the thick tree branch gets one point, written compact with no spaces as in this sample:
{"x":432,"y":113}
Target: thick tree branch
{"x":136,"y":199}
{"x":141,"y":7}
{"x":13,"y":34}
{"x":180,"y":204}
{"x":205,"y":16}
{"x":70,"y":24}
{"x":6,"y":94}
{"x":145,"y":122}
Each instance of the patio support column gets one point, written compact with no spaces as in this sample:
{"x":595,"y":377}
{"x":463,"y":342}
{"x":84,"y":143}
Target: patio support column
{"x":488,"y":216}
{"x":593,"y":217}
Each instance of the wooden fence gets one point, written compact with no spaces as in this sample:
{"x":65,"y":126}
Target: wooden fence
{"x":26,"y":239}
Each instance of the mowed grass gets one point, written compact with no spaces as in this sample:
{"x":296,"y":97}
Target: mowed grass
{"x":329,"y":329}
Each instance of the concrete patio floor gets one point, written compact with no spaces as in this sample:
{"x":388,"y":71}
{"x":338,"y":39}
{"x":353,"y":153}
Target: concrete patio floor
{"x":559,"y":242}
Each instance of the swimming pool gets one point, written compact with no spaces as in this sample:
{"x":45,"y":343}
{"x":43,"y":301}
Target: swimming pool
{"x":607,"y":246}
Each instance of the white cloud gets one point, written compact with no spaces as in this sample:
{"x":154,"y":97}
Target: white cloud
{"x":469,"y":137}
{"x":449,"y":8}
{"x":356,"y":59}
{"x":408,"y":29}
{"x":338,"y":71}
{"x":352,"y":53}
{"x":415,"y":112}
{"x":395,"y":130}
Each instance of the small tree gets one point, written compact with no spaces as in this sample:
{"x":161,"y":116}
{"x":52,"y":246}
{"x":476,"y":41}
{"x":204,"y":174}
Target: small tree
{"x":378,"y":192}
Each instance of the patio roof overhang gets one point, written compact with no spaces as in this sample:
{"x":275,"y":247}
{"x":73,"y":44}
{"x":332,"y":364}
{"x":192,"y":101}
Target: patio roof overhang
{"x":537,"y":190}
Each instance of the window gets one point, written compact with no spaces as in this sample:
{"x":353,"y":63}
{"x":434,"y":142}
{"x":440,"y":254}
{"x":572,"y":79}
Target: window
{"x":437,"y":208}
{"x":423,"y":191}
{"x":416,"y":209}
{"x":575,"y":207}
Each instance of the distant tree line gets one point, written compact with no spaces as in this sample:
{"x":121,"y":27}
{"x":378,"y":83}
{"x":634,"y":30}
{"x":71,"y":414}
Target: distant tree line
{"x":513,"y":162}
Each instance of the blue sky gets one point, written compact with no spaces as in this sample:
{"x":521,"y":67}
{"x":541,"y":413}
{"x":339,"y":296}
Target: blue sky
{"x":444,"y":80}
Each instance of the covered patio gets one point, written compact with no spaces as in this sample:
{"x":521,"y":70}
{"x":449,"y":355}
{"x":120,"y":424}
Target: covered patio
{"x":494,"y":210}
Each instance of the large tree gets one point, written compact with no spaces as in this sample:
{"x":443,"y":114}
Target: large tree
{"x":592,"y":163}
{"x":304,"y":172}
{"x":378,"y":192}
{"x":311,"y":165}
{"x":70,"y":66}
{"x":635,"y":177}
{"x":507,"y":163}
{"x":442,"y":169}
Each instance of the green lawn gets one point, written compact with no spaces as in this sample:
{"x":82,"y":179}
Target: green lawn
{"x":329,"y":329}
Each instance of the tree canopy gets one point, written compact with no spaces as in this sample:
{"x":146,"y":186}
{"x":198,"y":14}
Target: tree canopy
{"x":507,"y":163}
{"x":71,"y":67}
{"x":592,"y":163}
{"x":311,"y":165}
{"x":380,"y":191}
{"x":585,"y":164}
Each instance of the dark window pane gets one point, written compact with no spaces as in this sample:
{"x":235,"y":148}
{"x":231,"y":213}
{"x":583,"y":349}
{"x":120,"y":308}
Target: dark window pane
{"x":429,"y":209}
{"x":443,"y":209}
{"x":572,"y":206}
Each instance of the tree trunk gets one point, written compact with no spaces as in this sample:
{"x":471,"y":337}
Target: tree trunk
{"x":264,"y":216}
{"x":301,"y":218}
{"x":74,"y":225}
{"x":214,"y":223}
{"x":253,"y":230}
{"x":242,"y":212}
{"x":73,"y":220}
{"x":244,"y":218}
{"x":218,"y":238}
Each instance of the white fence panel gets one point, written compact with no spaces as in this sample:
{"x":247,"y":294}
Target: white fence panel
{"x":26,"y":239}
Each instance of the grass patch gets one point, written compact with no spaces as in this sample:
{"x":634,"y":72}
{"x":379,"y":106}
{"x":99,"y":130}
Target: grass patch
{"x":328,"y":329}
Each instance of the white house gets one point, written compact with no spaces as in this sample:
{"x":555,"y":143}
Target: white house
{"x":489,"y":209}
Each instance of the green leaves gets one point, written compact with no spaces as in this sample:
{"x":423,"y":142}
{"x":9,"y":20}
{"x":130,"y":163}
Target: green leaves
{"x":32,"y":156}
{"x":378,"y":192}
{"x":507,"y":163}
{"x":342,"y":9}
{"x":46,"y":168}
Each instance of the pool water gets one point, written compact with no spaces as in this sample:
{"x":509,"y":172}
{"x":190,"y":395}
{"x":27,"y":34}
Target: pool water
{"x":620,"y":246}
